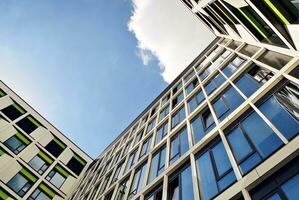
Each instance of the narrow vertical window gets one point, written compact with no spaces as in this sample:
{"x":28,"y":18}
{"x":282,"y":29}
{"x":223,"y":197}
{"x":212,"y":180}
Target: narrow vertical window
{"x":178,"y":117}
{"x":179,"y":145}
{"x":215,"y":172}
{"x":157,"y":164}
{"x":180,"y":186}
{"x":138,"y":180}
{"x":161,"y":132}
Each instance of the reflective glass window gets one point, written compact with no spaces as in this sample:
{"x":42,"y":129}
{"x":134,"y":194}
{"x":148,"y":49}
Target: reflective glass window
{"x":252,"y":141}
{"x":178,"y":117}
{"x":161,"y":132}
{"x":180,"y":186}
{"x":196,"y":100}
{"x":214,"y":170}
{"x":179,"y":145}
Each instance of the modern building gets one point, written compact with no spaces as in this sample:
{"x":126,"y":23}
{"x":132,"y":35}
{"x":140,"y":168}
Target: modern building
{"x":269,"y":22}
{"x":36,"y":160}
{"x":226,"y":128}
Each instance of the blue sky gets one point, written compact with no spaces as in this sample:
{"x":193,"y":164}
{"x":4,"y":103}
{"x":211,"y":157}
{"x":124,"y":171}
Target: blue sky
{"x":76,"y":62}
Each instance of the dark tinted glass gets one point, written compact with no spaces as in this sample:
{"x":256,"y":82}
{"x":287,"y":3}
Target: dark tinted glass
{"x":274,"y":59}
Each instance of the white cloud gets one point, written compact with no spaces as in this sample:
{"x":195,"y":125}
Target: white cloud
{"x":145,"y":55}
{"x":167,"y":30}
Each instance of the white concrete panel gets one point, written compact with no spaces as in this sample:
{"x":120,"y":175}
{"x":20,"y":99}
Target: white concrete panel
{"x":68,"y":185}
{"x":237,"y":3}
{"x":66,"y":156}
{"x":42,"y":135}
{"x":28,"y":153}
{"x":7,"y":132}
{"x":294,"y":32}
{"x":244,"y":33}
{"x":8,"y":168}
{"x":3,"y":124}
{"x":57,"y":198}
{"x":5,"y":101}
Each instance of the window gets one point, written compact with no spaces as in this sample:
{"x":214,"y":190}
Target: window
{"x":106,"y":166}
{"x":196,"y":100}
{"x":217,"y":62}
{"x":178,"y":117}
{"x":288,"y":98}
{"x":249,"y":50}
{"x":274,"y":59}
{"x":232,"y":66}
{"x":164,"y":113}
{"x":40,"y":162}
{"x":119,"y":171}
{"x":253,"y":79}
{"x":138,"y":180}
{"x":295,"y":72}
{"x":179,"y":145}
{"x":131,"y":161}
{"x":138,"y":136}
{"x":55,"y":147}
{"x":227,"y":103}
{"x":122,"y":189}
{"x":151,"y":125}
{"x":252,"y":141}
{"x":57,"y":176}
{"x":233,"y":44}
{"x":280,"y":117}
{"x":22,"y":182}
{"x":201,"y":125}
{"x":146,"y":147}
{"x":165,"y":99}
{"x":189,"y":76}
{"x":155,"y":194}
{"x":161,"y":132}
{"x":154,"y":110}
{"x":76,"y":164}
{"x":191,"y":86}
{"x":178,"y":99}
{"x":177,"y":87}
{"x":13,"y":111}
{"x":282,"y":185}
{"x":215,"y":172}
{"x":28,"y":124}
{"x":214,"y":83}
{"x":143,"y":120}
{"x":180,"y":186}
{"x":157,"y":164}
{"x":42,"y":193}
{"x":210,"y":87}
{"x":116,"y":158}
{"x":258,"y":26}
{"x":17,"y":143}
{"x":203,"y":74}
{"x":128,"y":145}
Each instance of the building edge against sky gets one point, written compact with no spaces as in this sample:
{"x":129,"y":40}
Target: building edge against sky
{"x":225,"y":128}
{"x":36,"y":160}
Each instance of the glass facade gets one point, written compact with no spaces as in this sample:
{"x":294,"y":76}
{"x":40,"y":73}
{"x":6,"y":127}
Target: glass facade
{"x":215,"y":172}
{"x":222,"y":137}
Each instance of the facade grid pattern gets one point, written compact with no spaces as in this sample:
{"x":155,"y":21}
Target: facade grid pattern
{"x":224,"y":64}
